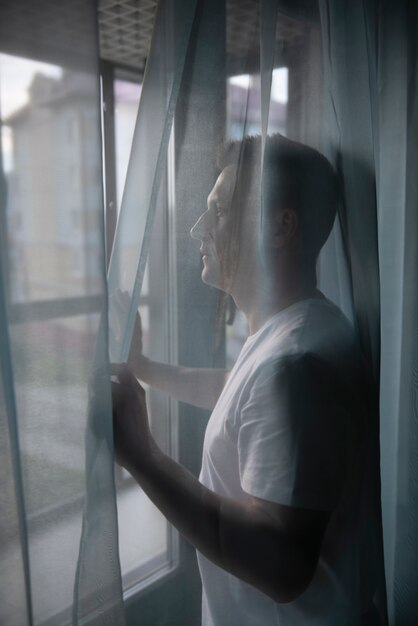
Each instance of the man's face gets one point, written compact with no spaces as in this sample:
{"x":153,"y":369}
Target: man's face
{"x":215,"y":230}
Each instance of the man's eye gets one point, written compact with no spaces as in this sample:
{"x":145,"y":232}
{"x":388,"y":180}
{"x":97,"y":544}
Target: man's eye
{"x":220,"y":211}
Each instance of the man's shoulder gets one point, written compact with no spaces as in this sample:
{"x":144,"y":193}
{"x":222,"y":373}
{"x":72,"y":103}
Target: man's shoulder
{"x":312,"y":341}
{"x":311,"y":332}
{"x":315,"y":348}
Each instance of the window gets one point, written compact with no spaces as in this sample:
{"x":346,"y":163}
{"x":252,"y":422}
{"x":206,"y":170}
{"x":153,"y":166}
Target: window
{"x":151,"y":553}
{"x":55,"y":296}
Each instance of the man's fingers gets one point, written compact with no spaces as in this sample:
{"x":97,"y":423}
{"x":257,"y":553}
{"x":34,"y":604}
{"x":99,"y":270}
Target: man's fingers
{"x":117,"y":392}
{"x":126,"y":377}
{"x":121,"y":370}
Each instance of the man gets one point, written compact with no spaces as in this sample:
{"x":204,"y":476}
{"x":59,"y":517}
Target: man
{"x":274,"y":515}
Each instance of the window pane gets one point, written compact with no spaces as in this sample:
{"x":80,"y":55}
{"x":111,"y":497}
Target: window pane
{"x":127,"y":95}
{"x":244,"y":99}
{"x":52,"y":162}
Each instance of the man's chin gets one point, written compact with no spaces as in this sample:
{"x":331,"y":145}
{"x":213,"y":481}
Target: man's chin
{"x":209,"y":279}
{"x":212,"y":280}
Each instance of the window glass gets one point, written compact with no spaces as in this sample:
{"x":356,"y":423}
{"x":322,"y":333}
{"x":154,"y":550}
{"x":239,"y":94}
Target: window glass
{"x":55,"y":240}
{"x":127,"y":95}
{"x":244,"y":102}
{"x":53,"y":179}
{"x":142,"y":555}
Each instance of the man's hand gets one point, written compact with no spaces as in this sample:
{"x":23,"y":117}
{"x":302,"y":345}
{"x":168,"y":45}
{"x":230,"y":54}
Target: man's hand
{"x":133,"y":441}
{"x":198,"y":386}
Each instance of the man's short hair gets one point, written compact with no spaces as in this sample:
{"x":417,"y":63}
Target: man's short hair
{"x":295,"y":176}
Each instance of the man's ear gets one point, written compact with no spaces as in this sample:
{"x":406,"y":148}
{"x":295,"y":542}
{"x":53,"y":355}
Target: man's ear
{"x":284,"y":227}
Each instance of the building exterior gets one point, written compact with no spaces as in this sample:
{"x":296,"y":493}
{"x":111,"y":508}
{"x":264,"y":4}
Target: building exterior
{"x":54,"y":227}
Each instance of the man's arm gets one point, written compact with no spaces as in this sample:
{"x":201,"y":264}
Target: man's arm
{"x":198,"y":386}
{"x":272,"y":547}
{"x":275,"y":548}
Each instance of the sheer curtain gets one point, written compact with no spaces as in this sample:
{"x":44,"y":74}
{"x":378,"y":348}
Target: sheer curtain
{"x":371,"y":48}
{"x":57,"y":471}
{"x":339,"y":77}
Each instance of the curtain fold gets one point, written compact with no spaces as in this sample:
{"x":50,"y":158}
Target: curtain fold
{"x":13,"y":509}
{"x":350,"y":61}
{"x":370,"y":58}
{"x":398,"y":227}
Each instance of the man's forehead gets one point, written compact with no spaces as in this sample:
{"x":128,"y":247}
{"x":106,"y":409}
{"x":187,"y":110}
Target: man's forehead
{"x":225,"y":183}
{"x":230,"y":182}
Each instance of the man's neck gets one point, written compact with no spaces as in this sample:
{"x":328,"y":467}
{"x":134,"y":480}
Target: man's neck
{"x":259,"y":305}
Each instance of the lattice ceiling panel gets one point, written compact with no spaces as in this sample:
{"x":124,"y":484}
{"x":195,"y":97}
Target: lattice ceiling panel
{"x":126,"y":29}
{"x":243,"y":17}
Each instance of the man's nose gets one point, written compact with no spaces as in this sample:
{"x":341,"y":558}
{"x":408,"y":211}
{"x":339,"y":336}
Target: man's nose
{"x":199,"y":230}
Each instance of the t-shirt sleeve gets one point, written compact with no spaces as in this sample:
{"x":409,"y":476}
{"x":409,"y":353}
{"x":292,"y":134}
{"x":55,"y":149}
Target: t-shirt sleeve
{"x":292,"y":435}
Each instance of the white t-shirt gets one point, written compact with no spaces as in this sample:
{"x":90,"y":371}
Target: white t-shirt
{"x":286,"y":429}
